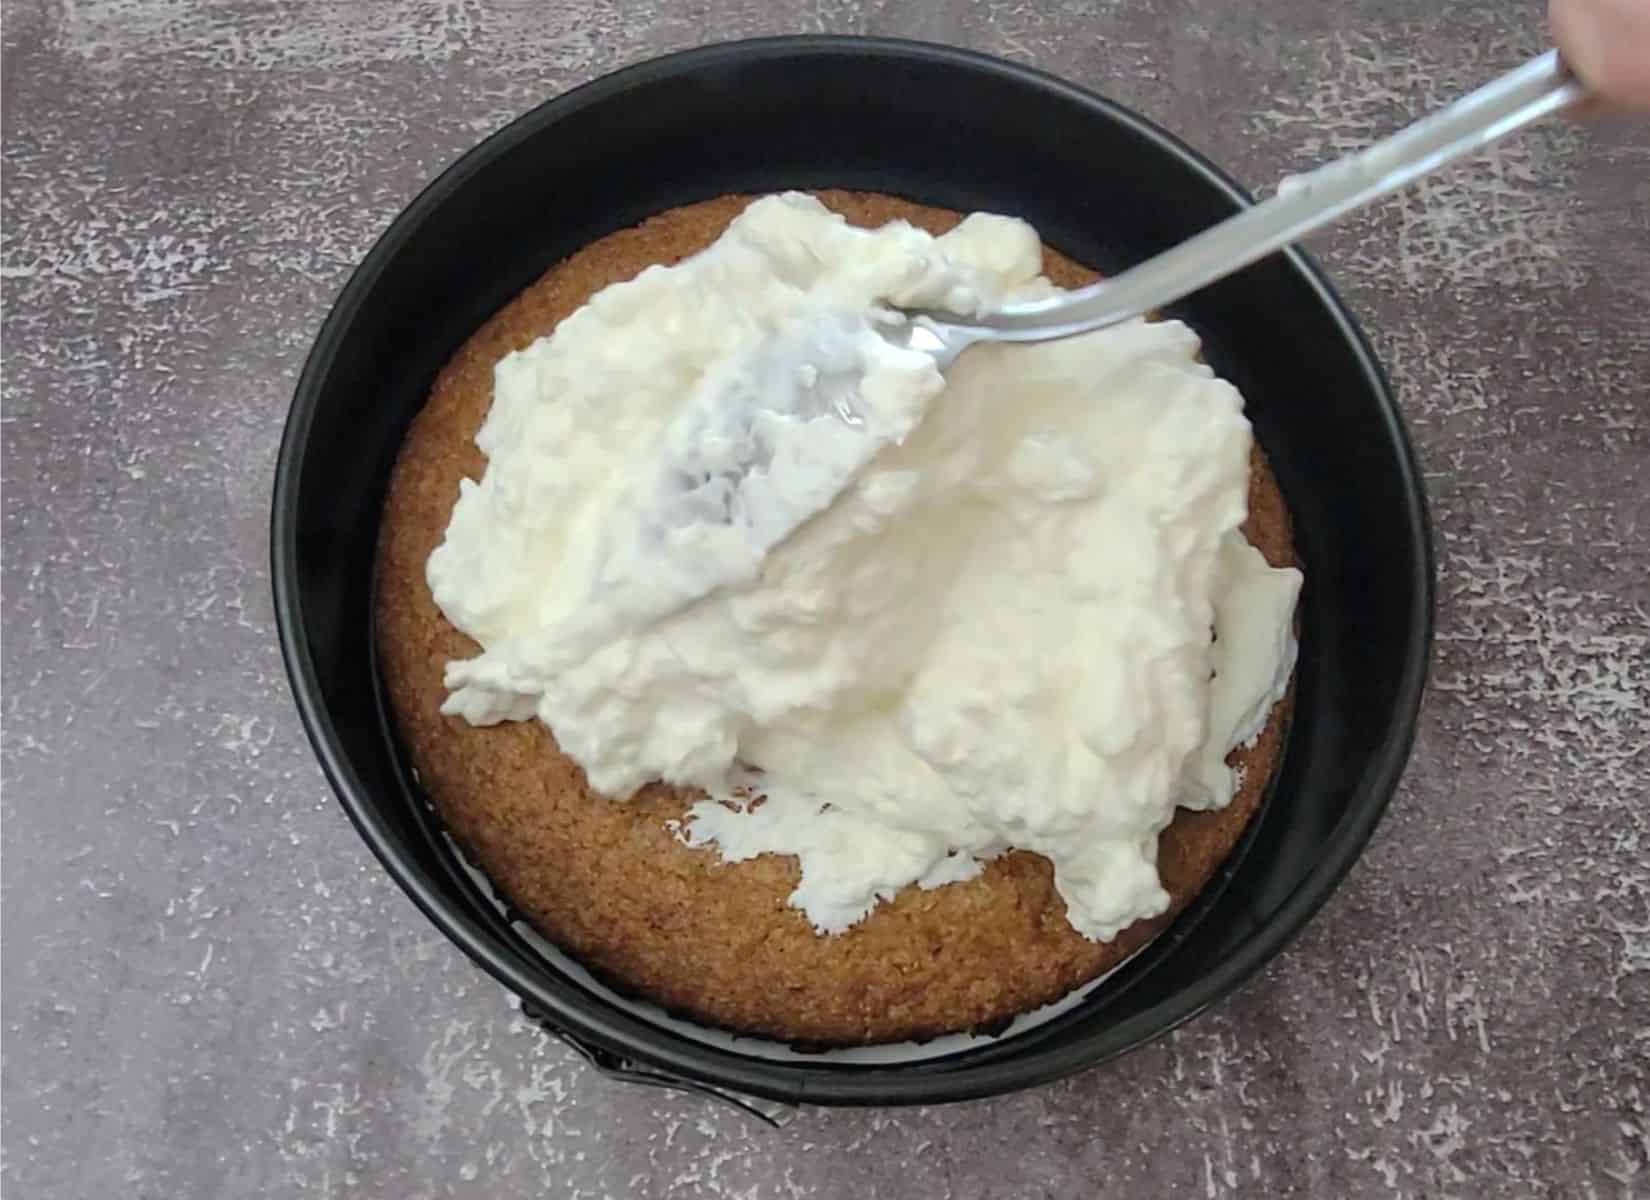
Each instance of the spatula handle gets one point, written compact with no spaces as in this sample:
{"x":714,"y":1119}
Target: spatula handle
{"x":1303,"y":204}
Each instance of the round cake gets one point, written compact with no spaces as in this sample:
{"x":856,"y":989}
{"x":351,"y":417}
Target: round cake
{"x":613,"y":883}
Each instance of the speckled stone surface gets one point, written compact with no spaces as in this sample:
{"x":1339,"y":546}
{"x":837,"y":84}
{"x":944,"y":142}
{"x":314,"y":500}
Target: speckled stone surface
{"x":211,"y":989}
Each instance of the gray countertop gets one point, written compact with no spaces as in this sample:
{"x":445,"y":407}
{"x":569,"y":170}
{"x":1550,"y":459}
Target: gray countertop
{"x":211,"y":989}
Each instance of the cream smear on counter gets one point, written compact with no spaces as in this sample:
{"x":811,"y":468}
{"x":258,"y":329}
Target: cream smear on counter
{"x":940,"y":618}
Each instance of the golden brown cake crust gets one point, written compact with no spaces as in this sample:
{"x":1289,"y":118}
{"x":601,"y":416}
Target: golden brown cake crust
{"x":611,"y":884}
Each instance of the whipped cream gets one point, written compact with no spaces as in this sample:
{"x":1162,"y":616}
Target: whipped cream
{"x":730,"y":538}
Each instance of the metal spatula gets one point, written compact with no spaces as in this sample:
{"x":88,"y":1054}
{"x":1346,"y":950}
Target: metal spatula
{"x":721,"y":477}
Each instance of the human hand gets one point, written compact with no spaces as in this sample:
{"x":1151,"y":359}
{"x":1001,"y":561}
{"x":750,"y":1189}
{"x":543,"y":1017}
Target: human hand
{"x":1607,"y":44}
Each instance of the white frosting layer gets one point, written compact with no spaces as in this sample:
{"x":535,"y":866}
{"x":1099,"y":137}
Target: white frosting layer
{"x":728,"y":537}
